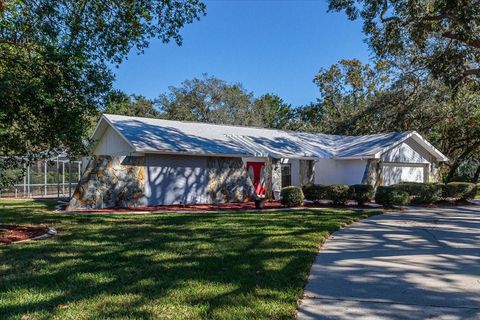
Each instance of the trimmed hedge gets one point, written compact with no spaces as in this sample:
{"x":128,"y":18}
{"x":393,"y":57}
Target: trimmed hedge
{"x":424,"y":193}
{"x":461,"y":190}
{"x":362,"y":193}
{"x":291,"y":196}
{"x":338,"y":193}
{"x":315,"y":192}
{"x":389,"y":196}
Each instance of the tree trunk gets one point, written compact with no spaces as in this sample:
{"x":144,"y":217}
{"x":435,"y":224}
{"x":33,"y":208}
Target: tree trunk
{"x":477,"y":174}
{"x":453,"y":169}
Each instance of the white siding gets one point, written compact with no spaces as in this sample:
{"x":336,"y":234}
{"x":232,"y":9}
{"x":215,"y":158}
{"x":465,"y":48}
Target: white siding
{"x":407,"y":152}
{"x":111,"y":144}
{"x":330,"y":171}
{"x":173,"y":179}
{"x":407,"y":162}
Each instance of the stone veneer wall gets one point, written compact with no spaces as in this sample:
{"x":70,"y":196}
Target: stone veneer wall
{"x":372,"y":174}
{"x":111,"y":182}
{"x":119,"y":182}
{"x":306,"y":172}
{"x":228,"y":180}
{"x":434,"y":172}
{"x":273,"y":176}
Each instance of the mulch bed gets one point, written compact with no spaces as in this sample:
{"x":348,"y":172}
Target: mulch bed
{"x":9,"y":233}
{"x":233,"y":206}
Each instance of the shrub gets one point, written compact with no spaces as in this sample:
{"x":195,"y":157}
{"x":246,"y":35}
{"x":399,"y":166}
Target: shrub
{"x":390,"y":197}
{"x":422,"y":192}
{"x":461,"y":190}
{"x":291,"y":196}
{"x":412,"y":188}
{"x":338,"y":193}
{"x":361,"y":193}
{"x":315,"y":192}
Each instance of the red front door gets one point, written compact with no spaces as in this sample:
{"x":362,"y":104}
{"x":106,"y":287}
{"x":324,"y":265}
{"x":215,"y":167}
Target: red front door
{"x":256,"y":172}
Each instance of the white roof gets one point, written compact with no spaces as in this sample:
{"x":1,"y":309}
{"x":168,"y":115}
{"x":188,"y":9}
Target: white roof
{"x":148,"y":135}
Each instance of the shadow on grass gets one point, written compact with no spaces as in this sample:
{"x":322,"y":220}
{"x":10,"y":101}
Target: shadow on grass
{"x":219,"y":265}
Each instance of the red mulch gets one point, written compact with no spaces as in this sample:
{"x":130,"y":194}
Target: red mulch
{"x":9,"y":234}
{"x":232,"y":206}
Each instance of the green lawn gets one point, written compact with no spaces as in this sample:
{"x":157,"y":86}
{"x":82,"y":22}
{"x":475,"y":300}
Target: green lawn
{"x":168,"y":266}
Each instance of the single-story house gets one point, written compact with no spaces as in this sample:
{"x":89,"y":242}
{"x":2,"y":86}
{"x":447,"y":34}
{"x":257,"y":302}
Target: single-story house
{"x":143,"y":161}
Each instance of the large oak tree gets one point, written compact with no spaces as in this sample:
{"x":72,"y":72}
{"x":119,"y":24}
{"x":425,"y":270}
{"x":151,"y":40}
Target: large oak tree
{"x":441,"y":35}
{"x":55,"y":58}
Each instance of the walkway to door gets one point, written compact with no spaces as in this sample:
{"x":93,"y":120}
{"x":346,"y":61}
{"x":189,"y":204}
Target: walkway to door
{"x":416,"y":264}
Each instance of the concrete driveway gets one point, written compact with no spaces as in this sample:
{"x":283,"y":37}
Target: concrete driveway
{"x":416,"y":264}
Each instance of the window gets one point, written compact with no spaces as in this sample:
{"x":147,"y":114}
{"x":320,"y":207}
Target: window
{"x":286,"y":175}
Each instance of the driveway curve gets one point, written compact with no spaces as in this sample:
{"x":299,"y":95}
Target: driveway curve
{"x":416,"y":264}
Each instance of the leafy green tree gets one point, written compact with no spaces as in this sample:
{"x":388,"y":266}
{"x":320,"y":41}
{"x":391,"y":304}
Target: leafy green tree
{"x":308,"y":118}
{"x":272,"y":111}
{"x":212,"y":100}
{"x":358,"y":99}
{"x":346,"y":89}
{"x":54,"y":64}
{"x":441,"y":35}
{"x":119,"y":102}
{"x":208,"y":100}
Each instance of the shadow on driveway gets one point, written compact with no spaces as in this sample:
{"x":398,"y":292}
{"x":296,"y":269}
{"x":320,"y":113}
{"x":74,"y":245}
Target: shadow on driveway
{"x":417,"y":264}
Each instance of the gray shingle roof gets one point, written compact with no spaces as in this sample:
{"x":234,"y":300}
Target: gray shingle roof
{"x":157,"y":135}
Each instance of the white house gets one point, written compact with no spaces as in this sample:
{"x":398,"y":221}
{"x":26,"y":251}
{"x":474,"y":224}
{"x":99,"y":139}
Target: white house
{"x":142,"y":161}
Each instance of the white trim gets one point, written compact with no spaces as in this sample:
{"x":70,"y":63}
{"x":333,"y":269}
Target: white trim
{"x":421,"y":141}
{"x":96,"y":128}
{"x":427,"y":145}
{"x":364,"y":157}
{"x":104,"y":118}
{"x":404,"y":164}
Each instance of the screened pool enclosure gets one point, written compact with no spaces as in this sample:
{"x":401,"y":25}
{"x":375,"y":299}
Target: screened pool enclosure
{"x":51,"y":178}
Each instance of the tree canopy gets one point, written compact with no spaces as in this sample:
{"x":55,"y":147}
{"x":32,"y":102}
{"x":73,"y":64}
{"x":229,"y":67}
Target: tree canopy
{"x":134,"y":105}
{"x":213,"y":100}
{"x":441,"y":35}
{"x":54,"y":64}
{"x":358,"y":99}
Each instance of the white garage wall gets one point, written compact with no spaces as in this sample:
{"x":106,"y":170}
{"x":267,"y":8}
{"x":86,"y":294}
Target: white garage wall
{"x":173,"y":179}
{"x":111,"y":144}
{"x":408,"y":151}
{"x":330,"y":171}
{"x":393,"y":174}
{"x":406,"y":162}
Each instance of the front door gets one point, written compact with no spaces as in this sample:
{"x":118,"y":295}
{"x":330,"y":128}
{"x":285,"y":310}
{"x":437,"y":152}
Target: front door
{"x":256,"y":171}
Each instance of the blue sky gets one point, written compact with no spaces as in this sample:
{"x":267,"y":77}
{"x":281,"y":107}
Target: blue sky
{"x":268,"y":46}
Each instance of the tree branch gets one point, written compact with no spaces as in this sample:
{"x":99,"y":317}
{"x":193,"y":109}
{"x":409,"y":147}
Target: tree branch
{"x":475,"y":43}
{"x":384,"y":11}
{"x":471,"y":72}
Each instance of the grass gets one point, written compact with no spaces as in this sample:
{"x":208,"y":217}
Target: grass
{"x":169,"y":266}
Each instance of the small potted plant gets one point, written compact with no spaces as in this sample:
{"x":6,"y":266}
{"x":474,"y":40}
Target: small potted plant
{"x":259,"y":201}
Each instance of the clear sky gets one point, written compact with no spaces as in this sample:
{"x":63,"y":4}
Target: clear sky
{"x":268,"y":46}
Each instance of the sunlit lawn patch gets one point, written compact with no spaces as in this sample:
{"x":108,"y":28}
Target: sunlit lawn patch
{"x":168,"y":266}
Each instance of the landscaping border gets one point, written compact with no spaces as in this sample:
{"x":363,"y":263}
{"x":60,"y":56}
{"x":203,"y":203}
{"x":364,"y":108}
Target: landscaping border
{"x":49,"y":233}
